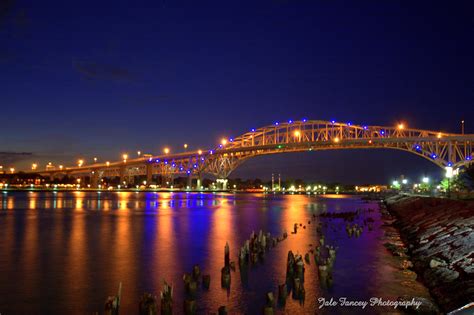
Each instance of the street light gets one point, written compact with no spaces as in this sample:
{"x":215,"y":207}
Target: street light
{"x":61,"y":167}
{"x":401,"y":126}
{"x":224,"y":141}
{"x":125,"y":157}
{"x":199,"y":152}
{"x":34,"y":166}
{"x":404,"y":181}
{"x":185,"y":146}
{"x":95,"y":160}
{"x":12,"y":170}
{"x":79,"y":163}
{"x":107,"y":163}
{"x":139,"y":153}
{"x":166,"y":150}
{"x":426,"y":180}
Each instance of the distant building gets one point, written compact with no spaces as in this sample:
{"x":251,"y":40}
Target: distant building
{"x":371,"y":188}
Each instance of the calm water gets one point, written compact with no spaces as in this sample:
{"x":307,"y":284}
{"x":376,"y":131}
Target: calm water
{"x":65,"y":253}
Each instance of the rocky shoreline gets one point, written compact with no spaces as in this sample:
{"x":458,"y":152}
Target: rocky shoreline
{"x":440,"y":238}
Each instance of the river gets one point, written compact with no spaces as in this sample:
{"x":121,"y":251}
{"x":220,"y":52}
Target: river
{"x":65,"y":252}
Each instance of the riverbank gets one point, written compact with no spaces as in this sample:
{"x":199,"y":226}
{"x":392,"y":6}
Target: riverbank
{"x":440,"y":238}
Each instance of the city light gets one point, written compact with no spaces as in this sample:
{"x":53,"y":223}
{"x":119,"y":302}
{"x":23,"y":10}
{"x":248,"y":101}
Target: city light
{"x":79,"y":163}
{"x":125,"y":157}
{"x":401,"y":126}
{"x":336,"y":139}
{"x":297,"y":133}
{"x":166,"y":150}
{"x":95,"y":160}
{"x":224,"y":141}
{"x":139,"y":153}
{"x":185,"y":146}
{"x":12,"y":170}
{"x":107,"y":163}
{"x":61,"y":167}
{"x":34,"y":166}
{"x":404,"y":181}
{"x":449,"y":172}
{"x":395,"y":183}
{"x":439,"y":135}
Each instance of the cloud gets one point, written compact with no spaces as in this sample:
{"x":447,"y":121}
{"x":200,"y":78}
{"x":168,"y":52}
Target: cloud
{"x":12,"y":157}
{"x":93,"y":70}
{"x":6,"y":6}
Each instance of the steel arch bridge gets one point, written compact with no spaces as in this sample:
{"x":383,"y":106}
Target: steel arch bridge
{"x":447,"y":150}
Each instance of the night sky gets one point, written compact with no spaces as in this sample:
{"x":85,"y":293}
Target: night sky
{"x":99,"y":78}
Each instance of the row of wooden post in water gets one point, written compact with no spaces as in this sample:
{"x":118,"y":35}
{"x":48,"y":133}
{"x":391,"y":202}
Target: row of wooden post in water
{"x":250,"y":253}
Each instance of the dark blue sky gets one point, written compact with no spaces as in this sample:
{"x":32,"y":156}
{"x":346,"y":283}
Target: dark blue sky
{"x":98,"y":78}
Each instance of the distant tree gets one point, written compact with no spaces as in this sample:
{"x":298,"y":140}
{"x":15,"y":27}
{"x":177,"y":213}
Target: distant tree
{"x":465,"y":179}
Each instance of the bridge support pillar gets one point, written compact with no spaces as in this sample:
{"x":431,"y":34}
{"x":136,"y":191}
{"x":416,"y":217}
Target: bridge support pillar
{"x":222,"y":183}
{"x":95,"y":179}
{"x":190,"y":182}
{"x":123,"y":177}
{"x":198,"y":183}
{"x":149,"y":173}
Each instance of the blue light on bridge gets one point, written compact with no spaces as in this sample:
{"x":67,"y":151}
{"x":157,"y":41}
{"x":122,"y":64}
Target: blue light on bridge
{"x":202,"y":159}
{"x":150,"y":159}
{"x":166,"y":162}
{"x":195,"y":166}
{"x":417,"y":147}
{"x":434,"y":156}
{"x":382,"y":132}
{"x":450,"y":164}
{"x":333,"y":121}
{"x":304,"y":119}
{"x":188,"y":171}
{"x":468,"y":158}
{"x":220,"y":146}
{"x":231,"y":140}
{"x":365,"y":128}
{"x":157,"y":161}
{"x":174,"y":164}
{"x":253,"y":129}
{"x":349,"y":124}
{"x":211,"y":152}
{"x":290,"y":121}
{"x":181,"y":168}
{"x":276,"y":124}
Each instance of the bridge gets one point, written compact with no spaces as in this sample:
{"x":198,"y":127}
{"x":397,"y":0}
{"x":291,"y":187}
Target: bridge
{"x":447,"y":150}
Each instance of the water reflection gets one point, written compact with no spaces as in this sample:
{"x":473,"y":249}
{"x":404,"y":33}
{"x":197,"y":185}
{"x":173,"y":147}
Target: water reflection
{"x":80,"y":245}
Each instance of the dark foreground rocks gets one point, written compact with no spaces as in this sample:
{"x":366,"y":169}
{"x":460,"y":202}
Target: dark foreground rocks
{"x":440,"y":238}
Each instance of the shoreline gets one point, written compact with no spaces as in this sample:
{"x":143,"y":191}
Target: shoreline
{"x":439,"y":236}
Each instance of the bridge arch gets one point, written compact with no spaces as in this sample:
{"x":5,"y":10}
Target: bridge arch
{"x":443,"y":149}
